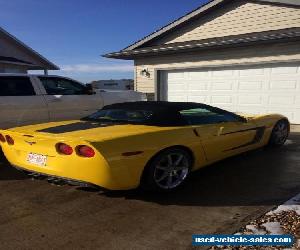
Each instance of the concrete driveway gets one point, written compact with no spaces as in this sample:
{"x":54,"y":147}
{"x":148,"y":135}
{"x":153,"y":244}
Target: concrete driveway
{"x":218,"y":199}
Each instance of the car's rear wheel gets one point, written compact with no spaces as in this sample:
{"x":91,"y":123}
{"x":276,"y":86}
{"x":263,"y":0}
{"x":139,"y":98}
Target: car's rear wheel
{"x":280,"y":133}
{"x":167,"y":170}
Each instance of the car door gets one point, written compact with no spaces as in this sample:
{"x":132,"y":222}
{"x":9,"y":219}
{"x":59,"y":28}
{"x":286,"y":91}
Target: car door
{"x":222,"y":134}
{"x":68,"y":99}
{"x":21,"y":102}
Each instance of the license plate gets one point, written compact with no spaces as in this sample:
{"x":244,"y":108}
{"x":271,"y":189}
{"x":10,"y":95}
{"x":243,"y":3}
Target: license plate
{"x":37,"y":159}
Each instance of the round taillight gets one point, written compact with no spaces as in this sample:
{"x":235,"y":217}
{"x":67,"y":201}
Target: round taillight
{"x":64,"y":149}
{"x":2,"y":138}
{"x":86,"y":151}
{"x":10,"y":140}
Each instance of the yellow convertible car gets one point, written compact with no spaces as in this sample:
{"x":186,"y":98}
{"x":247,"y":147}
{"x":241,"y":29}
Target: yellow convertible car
{"x":150,"y":144}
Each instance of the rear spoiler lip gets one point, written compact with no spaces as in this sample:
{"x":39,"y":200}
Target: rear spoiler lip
{"x":44,"y":136}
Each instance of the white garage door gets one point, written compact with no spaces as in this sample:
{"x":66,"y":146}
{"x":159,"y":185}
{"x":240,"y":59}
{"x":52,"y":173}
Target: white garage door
{"x":256,"y":90}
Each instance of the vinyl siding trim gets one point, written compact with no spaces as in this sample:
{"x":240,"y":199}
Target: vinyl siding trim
{"x":236,"y":19}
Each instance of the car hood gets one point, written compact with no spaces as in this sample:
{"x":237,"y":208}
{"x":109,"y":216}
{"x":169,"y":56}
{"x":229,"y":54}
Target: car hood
{"x":247,"y":115}
{"x":258,"y":116}
{"x":86,"y":130}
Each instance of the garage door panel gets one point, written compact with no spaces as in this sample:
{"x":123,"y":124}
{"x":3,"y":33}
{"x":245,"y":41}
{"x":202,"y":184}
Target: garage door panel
{"x":198,"y":75}
{"x":195,"y":85}
{"x":222,"y":73}
{"x":281,"y":101}
{"x":297,"y":101}
{"x":250,"y":100}
{"x":198,"y":98}
{"x":179,"y":98}
{"x":283,"y":85}
{"x":297,"y":115}
{"x":257,"y":90}
{"x":176,"y":75}
{"x":252,"y":72}
{"x":284,"y":70}
{"x":222,"y":100}
{"x":250,"y":85}
{"x":176,"y":87}
{"x":284,"y":77}
{"x":222,"y":85}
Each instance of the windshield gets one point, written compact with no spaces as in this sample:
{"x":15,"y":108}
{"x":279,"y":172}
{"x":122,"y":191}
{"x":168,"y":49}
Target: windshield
{"x":121,"y":115}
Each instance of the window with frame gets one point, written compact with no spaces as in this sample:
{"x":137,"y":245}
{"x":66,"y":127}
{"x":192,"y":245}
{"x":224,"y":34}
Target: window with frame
{"x":61,"y":86}
{"x":138,"y":116}
{"x":16,"y":86}
{"x":198,"y":116}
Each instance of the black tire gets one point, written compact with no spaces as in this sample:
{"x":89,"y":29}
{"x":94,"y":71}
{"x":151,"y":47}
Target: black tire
{"x":168,"y":170}
{"x":280,"y":133}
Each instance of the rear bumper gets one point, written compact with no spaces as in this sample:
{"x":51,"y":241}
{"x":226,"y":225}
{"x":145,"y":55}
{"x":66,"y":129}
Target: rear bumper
{"x":57,"y":179}
{"x":112,"y":172}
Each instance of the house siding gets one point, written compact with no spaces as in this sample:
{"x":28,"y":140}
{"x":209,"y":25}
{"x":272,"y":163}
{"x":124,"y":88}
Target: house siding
{"x":12,"y":68}
{"x":236,"y":19}
{"x":250,"y":55}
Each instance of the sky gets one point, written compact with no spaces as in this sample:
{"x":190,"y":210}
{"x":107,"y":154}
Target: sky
{"x":73,"y":34}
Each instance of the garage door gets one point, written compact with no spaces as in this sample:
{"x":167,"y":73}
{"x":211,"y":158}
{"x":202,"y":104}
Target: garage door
{"x":256,"y":90}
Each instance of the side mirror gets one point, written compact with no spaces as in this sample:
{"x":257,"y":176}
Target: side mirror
{"x":89,"y":90}
{"x":243,"y":119}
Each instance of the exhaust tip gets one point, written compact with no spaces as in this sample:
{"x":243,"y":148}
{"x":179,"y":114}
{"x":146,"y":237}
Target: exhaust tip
{"x":36,"y":176}
{"x":55,"y":181}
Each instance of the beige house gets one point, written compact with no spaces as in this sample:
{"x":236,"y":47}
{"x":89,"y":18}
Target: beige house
{"x":17,"y":57}
{"x":241,"y":55}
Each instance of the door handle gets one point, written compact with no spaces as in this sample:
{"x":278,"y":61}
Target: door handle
{"x":220,"y":131}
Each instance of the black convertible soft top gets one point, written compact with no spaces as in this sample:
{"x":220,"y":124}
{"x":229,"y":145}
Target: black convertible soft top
{"x":156,"y":105}
{"x":164,"y":113}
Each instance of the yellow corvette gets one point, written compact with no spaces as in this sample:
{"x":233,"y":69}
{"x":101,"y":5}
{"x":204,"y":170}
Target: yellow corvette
{"x":152,"y":144}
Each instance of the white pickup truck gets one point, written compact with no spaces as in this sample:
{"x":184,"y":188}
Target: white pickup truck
{"x":29,"y":99}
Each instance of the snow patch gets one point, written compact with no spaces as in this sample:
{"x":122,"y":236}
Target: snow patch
{"x":273,"y":227}
{"x":291,"y":205}
{"x":255,"y":230}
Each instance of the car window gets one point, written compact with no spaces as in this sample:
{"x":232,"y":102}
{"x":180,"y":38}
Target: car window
{"x":138,"y":116}
{"x":16,"y":86}
{"x":200,"y":116}
{"x":60,"y":86}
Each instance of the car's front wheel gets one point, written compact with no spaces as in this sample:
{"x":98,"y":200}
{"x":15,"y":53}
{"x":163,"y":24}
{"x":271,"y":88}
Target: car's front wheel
{"x":168,"y":170}
{"x":280,"y":133}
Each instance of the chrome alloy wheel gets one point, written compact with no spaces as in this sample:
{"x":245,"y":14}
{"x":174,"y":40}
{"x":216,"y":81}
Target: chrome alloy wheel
{"x":281,"y":132}
{"x":171,"y":170}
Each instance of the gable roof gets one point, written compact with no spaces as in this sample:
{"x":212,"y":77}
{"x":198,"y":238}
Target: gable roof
{"x":234,"y":40}
{"x":46,"y":62}
{"x":211,"y":5}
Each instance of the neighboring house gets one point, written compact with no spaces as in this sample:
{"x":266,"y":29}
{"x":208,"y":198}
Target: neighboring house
{"x":17,"y":57}
{"x":123,"y":84}
{"x":241,"y":55}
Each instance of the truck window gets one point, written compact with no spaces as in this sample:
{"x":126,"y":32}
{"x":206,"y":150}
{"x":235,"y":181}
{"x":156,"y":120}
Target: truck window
{"x":60,"y":86}
{"x":16,"y":86}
